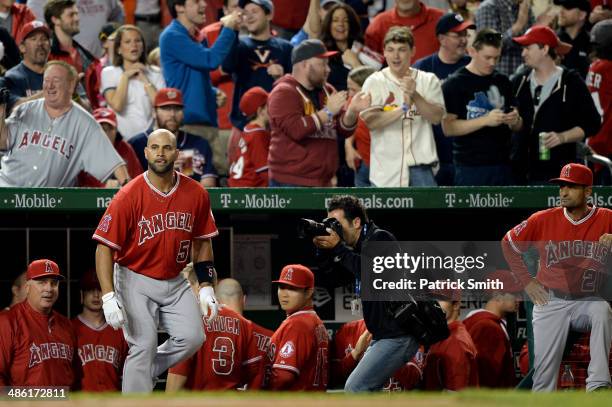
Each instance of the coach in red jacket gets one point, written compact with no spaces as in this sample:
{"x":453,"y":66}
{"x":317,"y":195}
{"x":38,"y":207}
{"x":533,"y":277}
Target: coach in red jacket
{"x":306,"y":116}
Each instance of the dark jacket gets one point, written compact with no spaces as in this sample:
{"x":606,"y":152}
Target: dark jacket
{"x":569,"y":105}
{"x":378,"y":321}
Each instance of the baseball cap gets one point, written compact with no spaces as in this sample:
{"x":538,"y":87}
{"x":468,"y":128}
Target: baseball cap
{"x":105,"y":115}
{"x":453,"y":22}
{"x":168,"y":97}
{"x":89,"y":281}
{"x":601,"y":33}
{"x":307,"y":49}
{"x":107,"y":30}
{"x":574,"y":173}
{"x":541,"y":34}
{"x":584,"y":5}
{"x":252,"y":100}
{"x":43,"y":268}
{"x":330,"y":3}
{"x":265,"y":4}
{"x":31,"y":27}
{"x":296,"y":275}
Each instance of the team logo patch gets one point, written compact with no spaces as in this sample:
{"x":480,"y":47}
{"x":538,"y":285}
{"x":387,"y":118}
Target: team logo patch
{"x":288,"y":274}
{"x":287,"y":350}
{"x":48,"y":267}
{"x":519,"y":228}
{"x":566,"y":171}
{"x":172,"y":94}
{"x":105,"y":223}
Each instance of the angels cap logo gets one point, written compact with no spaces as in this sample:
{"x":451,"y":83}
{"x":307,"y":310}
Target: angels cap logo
{"x":566,"y":170}
{"x":287,"y":350}
{"x":288,"y":274}
{"x":48,"y":267}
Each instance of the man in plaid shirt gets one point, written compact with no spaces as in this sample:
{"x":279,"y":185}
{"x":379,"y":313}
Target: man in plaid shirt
{"x":511,"y":18}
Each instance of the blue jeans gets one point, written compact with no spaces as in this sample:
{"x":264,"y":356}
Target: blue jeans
{"x":422,"y":176}
{"x":380,"y":361}
{"x":362,"y":176}
{"x":483,"y":175}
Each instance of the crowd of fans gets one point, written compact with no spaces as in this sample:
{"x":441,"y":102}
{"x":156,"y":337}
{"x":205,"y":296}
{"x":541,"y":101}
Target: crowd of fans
{"x":350,"y":93}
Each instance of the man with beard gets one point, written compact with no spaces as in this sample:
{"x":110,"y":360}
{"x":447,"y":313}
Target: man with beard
{"x":195,"y":156}
{"x":573,"y":18}
{"x":101,"y":349}
{"x":306,"y":116}
{"x":572,"y":241}
{"x":257,"y":59}
{"x":452,"y":34}
{"x":62,"y":16}
{"x":26,"y":79}
{"x":152,"y":229}
{"x":37,"y":345}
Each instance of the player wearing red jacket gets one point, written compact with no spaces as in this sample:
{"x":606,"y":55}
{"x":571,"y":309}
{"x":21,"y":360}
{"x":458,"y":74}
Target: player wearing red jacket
{"x":451,"y":363}
{"x":488,"y":330}
{"x":37,"y":344}
{"x":573,"y":242}
{"x":151,"y":229}
{"x":298,"y":357}
{"x":101,"y":349}
{"x":349,"y":345}
{"x":248,"y":150}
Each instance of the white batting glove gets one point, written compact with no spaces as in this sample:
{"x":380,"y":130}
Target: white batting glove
{"x":113,"y":310}
{"x":208,"y":302}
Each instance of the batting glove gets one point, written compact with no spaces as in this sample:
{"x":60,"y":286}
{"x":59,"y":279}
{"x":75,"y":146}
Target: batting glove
{"x":113,"y":310}
{"x":208,"y":302}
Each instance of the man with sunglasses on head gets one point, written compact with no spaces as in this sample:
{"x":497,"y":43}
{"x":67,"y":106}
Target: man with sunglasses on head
{"x":555,"y":104}
{"x":481,"y":115}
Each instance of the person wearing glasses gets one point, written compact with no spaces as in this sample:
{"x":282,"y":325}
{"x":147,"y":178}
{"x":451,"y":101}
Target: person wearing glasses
{"x":556,"y":106}
{"x":481,"y":115}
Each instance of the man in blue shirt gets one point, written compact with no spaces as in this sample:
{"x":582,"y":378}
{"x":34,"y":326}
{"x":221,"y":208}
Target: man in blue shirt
{"x":26,"y":78}
{"x":452,"y":35}
{"x":195,"y":156}
{"x":258,"y":59}
{"x":187,"y":63}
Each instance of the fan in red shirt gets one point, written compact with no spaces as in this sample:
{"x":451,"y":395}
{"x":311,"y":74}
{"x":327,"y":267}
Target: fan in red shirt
{"x":101,"y":349}
{"x":421,"y":19}
{"x":229,"y":358}
{"x":297,"y":358}
{"x":349,"y":345}
{"x":573,"y":242}
{"x":451,"y":363}
{"x":487,"y":327}
{"x":37,"y":345}
{"x":248,"y":150}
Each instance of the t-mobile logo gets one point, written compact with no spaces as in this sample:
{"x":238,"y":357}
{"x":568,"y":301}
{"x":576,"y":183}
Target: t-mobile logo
{"x":226,"y":199}
{"x":450,"y":200}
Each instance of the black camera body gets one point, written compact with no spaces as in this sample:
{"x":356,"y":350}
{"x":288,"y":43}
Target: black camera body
{"x":308,"y":228}
{"x":425,"y":320}
{"x":5,"y":95}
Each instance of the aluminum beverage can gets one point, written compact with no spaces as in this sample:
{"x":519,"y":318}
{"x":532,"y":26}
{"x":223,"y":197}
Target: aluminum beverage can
{"x":544,"y":151}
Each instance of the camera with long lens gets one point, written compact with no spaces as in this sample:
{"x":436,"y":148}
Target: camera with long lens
{"x":308,"y":228}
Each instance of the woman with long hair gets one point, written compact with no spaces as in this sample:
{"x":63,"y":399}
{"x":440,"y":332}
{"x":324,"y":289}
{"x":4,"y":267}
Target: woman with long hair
{"x":130,"y":85}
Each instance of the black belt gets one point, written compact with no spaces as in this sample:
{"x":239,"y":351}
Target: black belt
{"x":149,"y":18}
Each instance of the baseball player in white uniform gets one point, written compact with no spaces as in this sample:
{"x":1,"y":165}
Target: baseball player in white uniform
{"x":49,"y":141}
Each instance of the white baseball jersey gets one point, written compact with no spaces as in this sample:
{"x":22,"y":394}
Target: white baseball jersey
{"x":406,"y":142}
{"x":45,"y":152}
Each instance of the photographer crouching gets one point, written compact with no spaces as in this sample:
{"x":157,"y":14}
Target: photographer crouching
{"x":391,"y":346}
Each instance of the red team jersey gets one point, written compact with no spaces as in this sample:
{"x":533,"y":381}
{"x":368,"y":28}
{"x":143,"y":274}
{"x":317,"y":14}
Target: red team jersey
{"x":152,"y":231}
{"x":262,"y":337}
{"x":571,"y":259}
{"x":36,"y":349}
{"x":228,"y":359}
{"x":407,"y":377}
{"x":599,"y":81}
{"x":101,"y":352}
{"x":300,"y":346}
{"x":248,"y":157}
{"x":451,"y":363}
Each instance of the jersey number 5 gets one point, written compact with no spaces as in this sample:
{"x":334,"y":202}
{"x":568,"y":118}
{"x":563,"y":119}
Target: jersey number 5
{"x":223,"y":356}
{"x":183,"y":251}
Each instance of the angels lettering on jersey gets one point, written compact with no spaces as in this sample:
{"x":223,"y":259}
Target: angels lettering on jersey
{"x":108,"y":354}
{"x":148,"y":228}
{"x":59,"y":145}
{"x":483,"y":103}
{"x":51,"y":350}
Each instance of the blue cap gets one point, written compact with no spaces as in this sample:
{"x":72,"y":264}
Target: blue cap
{"x":452,"y":22}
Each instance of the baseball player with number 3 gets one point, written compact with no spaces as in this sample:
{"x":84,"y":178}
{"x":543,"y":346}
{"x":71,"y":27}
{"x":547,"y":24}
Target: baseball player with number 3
{"x":573,"y":242}
{"x":151,"y":230}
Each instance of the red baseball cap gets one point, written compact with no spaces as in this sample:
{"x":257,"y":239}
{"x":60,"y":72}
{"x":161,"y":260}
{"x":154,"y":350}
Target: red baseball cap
{"x":168,"y":97}
{"x":252,"y":100}
{"x":574,"y":173}
{"x":296,"y":275}
{"x":541,"y":34}
{"x":29,"y":28}
{"x":89,"y":281}
{"x":43,"y":268}
{"x":105,"y":115}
